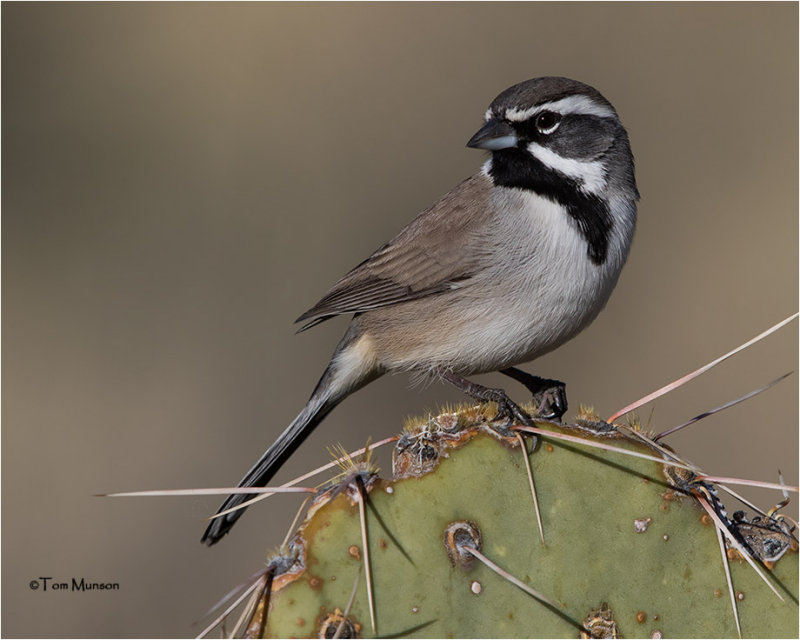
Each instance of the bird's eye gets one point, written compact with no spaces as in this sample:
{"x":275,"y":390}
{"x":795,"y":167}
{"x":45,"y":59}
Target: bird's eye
{"x":547,"y":121}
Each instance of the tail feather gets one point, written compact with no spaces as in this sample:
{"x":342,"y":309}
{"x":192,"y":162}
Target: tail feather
{"x":353,"y":365}
{"x":269,"y":464}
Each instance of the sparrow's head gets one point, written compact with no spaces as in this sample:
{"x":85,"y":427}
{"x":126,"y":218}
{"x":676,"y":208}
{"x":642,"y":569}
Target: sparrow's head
{"x":551,"y":131}
{"x":562,"y":140}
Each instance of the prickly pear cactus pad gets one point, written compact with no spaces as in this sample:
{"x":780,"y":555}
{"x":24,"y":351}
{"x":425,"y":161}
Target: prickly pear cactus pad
{"x":628,"y":550}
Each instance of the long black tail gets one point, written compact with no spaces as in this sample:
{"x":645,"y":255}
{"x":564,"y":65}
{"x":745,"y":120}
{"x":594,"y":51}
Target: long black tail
{"x":346,"y":373}
{"x":269,"y":463}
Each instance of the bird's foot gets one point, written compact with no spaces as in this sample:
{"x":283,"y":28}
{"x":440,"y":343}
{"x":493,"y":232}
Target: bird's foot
{"x":551,"y":401}
{"x":508,"y":409}
{"x":549,"y":396}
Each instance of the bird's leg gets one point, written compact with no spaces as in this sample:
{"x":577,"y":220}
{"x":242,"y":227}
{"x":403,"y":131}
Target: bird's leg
{"x":549,"y":396}
{"x":505,"y":406}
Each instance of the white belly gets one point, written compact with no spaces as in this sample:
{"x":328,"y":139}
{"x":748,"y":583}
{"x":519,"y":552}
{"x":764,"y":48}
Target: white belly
{"x":539,"y":290}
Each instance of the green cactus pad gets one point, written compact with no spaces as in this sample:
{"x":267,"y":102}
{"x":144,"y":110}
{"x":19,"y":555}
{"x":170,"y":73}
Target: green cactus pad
{"x":624,"y":554}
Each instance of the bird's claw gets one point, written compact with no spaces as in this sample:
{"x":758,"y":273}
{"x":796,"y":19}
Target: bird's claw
{"x":551,"y":402}
{"x":512,"y":412}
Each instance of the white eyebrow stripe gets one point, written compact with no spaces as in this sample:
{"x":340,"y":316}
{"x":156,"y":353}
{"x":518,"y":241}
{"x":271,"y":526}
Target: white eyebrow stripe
{"x":591,"y":173}
{"x":488,"y":115}
{"x":577,"y":104}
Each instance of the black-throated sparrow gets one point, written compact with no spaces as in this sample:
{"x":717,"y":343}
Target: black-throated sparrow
{"x":512,"y":263}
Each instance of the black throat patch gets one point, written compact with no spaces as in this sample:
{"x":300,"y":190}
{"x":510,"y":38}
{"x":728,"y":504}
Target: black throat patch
{"x":517,"y":168}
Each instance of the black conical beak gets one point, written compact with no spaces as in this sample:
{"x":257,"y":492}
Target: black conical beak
{"x":494,"y":135}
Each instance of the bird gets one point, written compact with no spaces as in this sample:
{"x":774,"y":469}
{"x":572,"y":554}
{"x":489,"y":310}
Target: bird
{"x":513,"y":262}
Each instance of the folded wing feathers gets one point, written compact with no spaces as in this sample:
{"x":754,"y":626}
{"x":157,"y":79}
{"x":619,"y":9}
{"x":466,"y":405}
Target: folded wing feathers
{"x":367,"y":295}
{"x":426,"y":258}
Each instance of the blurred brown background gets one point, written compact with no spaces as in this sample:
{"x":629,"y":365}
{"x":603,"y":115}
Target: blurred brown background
{"x":182,"y":180}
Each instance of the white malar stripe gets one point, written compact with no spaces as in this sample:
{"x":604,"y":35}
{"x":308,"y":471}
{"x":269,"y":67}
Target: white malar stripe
{"x":591,"y":174}
{"x":577,"y":104}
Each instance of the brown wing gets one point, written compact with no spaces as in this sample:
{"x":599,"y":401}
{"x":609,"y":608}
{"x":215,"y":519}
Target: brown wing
{"x":434,"y":253}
